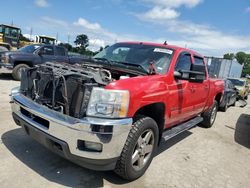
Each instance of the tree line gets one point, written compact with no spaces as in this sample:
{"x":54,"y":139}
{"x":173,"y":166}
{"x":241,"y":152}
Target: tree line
{"x":243,"y":58}
{"x":81,"y":43}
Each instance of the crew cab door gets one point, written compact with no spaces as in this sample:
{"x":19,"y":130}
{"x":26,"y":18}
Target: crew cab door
{"x":60,"y":55}
{"x":181,"y":107}
{"x":47,"y":54}
{"x":200,"y":89}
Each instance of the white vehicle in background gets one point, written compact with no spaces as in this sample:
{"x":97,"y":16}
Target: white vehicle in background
{"x":42,"y":39}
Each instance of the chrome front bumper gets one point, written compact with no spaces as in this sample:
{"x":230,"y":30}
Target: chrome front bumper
{"x":70,"y":130}
{"x":6,"y":68}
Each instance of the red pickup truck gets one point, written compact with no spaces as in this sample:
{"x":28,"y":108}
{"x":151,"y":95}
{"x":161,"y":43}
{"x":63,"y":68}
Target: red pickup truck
{"x":111,"y":111}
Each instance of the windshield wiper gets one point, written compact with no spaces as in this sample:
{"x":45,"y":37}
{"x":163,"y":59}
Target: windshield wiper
{"x":133,"y":65}
{"x":103,"y":59}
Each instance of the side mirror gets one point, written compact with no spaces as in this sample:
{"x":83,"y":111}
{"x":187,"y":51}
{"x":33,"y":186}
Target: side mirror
{"x":197,"y":73}
{"x":182,"y":74}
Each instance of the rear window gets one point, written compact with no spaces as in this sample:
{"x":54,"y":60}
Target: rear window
{"x":198,"y":61}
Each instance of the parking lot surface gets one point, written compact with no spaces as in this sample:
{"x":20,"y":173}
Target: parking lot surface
{"x":215,"y":157}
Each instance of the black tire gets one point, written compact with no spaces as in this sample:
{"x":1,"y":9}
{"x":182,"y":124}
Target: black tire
{"x":224,"y":108}
{"x":124,"y":166}
{"x":234,"y":103}
{"x":17,"y":71}
{"x":210,"y":116}
{"x":246,"y":97}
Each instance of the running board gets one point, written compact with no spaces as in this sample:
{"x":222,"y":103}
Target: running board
{"x":170,"y":133}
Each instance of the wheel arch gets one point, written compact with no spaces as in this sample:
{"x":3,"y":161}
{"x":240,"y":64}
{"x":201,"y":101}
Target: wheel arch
{"x":156,"y":111}
{"x":218,"y":98}
{"x":23,"y":62}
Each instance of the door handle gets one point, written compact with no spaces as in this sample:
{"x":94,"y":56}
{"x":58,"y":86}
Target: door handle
{"x":206,"y":87}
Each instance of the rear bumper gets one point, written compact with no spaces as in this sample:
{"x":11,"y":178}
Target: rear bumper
{"x":62,"y":133}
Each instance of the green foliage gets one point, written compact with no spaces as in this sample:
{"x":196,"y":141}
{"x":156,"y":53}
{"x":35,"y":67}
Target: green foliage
{"x":243,"y":58}
{"x":68,"y":46}
{"x":23,"y":38}
{"x":229,"y":56}
{"x":82,"y":41}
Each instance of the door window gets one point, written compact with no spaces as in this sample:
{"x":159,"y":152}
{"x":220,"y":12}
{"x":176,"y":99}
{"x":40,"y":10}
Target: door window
{"x":48,"y":50}
{"x":184,"y":62}
{"x":60,"y":51}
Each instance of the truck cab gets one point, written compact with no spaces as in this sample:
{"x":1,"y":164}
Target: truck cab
{"x":9,"y":36}
{"x":42,"y":39}
{"x":111,"y":111}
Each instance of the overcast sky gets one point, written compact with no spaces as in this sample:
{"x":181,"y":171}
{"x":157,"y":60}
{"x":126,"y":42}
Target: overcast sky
{"x":211,"y":27}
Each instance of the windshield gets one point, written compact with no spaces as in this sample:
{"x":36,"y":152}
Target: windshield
{"x":237,"y":82}
{"x":29,"y":49}
{"x":139,"y":55}
{"x":12,"y":32}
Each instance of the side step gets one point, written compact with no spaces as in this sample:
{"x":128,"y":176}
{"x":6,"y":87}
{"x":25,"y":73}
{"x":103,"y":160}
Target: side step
{"x":170,"y":133}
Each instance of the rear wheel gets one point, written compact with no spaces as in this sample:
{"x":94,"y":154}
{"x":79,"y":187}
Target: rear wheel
{"x":139,"y":149}
{"x":234,"y":103}
{"x":210,"y":116}
{"x":17,"y":71}
{"x":224,"y":108}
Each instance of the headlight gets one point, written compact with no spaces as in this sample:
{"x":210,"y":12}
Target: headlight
{"x":108,"y":103}
{"x":5,"y":58}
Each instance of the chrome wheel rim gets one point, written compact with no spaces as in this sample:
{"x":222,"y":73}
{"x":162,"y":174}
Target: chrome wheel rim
{"x":143,"y":149}
{"x":213,"y":115}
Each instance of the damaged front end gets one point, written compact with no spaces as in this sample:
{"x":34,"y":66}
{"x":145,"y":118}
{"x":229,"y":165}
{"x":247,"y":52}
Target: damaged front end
{"x":62,"y":87}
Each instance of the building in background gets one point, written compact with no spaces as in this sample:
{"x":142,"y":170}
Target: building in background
{"x":223,"y":68}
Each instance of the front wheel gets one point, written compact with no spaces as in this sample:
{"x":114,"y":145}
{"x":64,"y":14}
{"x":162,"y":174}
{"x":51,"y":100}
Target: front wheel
{"x":210,"y":116}
{"x":17,"y":71}
{"x":139,"y":149}
{"x":224,"y":108}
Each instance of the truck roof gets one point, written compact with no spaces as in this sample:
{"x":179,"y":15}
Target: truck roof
{"x":49,"y":37}
{"x":164,"y":46}
{"x":9,"y":26}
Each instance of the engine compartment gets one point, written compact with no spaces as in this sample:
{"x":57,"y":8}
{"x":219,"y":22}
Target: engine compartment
{"x":64,"y":88}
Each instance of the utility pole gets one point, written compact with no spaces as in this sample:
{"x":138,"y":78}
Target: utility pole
{"x":31,"y":31}
{"x":68,"y":38}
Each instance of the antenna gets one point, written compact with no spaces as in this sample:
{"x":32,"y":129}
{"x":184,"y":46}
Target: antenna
{"x":165,"y":43}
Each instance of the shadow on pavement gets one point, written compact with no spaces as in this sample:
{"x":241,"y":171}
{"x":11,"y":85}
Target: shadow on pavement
{"x":164,"y":145}
{"x":5,"y":76}
{"x":56,"y":169}
{"x":53,"y":167}
{"x":242,"y":130}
